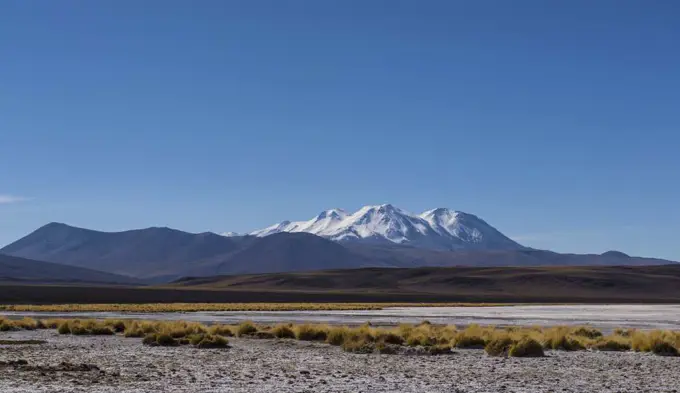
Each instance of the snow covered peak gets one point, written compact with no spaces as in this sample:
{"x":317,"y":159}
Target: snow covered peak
{"x":468,"y":228}
{"x":334,"y":214}
{"x":230,"y":234}
{"x":435,"y":229}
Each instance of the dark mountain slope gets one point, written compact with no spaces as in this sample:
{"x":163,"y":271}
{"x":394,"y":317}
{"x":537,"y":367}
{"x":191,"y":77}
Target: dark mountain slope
{"x":140,"y":253}
{"x":16,"y":269}
{"x":288,"y":252}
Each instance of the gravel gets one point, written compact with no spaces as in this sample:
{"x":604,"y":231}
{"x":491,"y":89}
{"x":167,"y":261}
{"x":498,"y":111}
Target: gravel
{"x":117,"y":364}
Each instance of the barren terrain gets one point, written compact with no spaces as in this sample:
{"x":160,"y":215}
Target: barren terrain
{"x":117,"y":364}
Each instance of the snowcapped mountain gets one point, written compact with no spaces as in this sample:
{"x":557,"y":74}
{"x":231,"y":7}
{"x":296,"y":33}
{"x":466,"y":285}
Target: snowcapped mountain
{"x":440,"y":229}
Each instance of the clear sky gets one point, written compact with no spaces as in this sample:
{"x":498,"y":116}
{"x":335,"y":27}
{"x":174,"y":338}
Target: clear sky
{"x":558,"y":122}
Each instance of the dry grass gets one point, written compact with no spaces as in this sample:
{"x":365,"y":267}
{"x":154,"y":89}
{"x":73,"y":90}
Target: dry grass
{"x":509,"y":341}
{"x":189,"y":307}
{"x":283,"y":331}
{"x":308,"y":332}
{"x":245,"y":329}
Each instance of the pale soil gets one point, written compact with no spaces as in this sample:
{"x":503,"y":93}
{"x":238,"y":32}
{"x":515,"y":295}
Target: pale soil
{"x":125,"y":365}
{"x":604,"y":317}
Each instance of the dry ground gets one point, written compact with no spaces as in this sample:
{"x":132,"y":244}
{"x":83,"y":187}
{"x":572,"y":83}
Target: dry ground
{"x":117,"y":364}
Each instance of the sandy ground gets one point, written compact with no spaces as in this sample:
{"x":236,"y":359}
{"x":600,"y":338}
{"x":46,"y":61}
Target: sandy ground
{"x":605,"y":317}
{"x":117,"y":364}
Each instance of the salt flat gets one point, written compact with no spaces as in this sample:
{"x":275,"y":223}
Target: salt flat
{"x":605,"y":317}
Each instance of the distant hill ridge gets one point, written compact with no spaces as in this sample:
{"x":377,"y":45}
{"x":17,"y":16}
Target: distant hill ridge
{"x":164,"y":254}
{"x":17,"y":269}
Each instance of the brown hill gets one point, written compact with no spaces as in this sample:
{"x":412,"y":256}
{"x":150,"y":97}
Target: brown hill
{"x":634,"y":283}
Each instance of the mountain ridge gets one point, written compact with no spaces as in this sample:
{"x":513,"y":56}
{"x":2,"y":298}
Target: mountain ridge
{"x":439,"y":229}
{"x":160,"y":254}
{"x":16,"y":269}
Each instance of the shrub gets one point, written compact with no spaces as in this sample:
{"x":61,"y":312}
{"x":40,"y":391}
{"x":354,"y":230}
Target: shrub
{"x":134,"y":330}
{"x":664,"y":348}
{"x":283,"y":331}
{"x":245,"y":328}
{"x":612,"y":344}
{"x":212,"y":341}
{"x":438,"y":350}
{"x":420,"y":339}
{"x":166,"y":340}
{"x":405,"y":330}
{"x":208,"y":341}
{"x":624,"y":332}
{"x":52,"y":323}
{"x":585,"y":331}
{"x":499,"y":346}
{"x":559,"y":338}
{"x":64,"y":328}
{"x":336,"y":335}
{"x":6,"y":326}
{"x":78,"y":330}
{"x":357,"y":343}
{"x":311,"y":333}
{"x":386,"y":349}
{"x":466,"y":340}
{"x":150,"y":339}
{"x":117,"y":325}
{"x":221,"y":330}
{"x":526,"y":347}
{"x":388,"y":337}
{"x":25,"y":324}
{"x":101,"y":331}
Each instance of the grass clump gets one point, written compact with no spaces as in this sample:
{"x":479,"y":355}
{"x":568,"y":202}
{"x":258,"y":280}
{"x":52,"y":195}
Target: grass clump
{"x":336,"y":335}
{"x":207,"y":340}
{"x":246,"y":328}
{"x":526,"y":347}
{"x":64,"y":328}
{"x":612,"y":343}
{"x":160,"y":340}
{"x":472,"y":337}
{"x":358,"y":342}
{"x":221,"y":330}
{"x":87,"y":327}
{"x":624,"y":332}
{"x":6,"y":326}
{"x":283,"y":331}
{"x":664,"y":348}
{"x":586,"y":331}
{"x":439,"y":349}
{"x":659,"y":342}
{"x":388,"y":337}
{"x":560,"y":338}
{"x":499,"y":346}
{"x":311,"y":332}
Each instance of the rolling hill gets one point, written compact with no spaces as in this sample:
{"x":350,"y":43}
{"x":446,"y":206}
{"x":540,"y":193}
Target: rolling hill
{"x":14,"y":269}
{"x":507,"y":284}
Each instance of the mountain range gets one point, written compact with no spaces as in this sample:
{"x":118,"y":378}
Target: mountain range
{"x":374,"y":236}
{"x":438,"y":229}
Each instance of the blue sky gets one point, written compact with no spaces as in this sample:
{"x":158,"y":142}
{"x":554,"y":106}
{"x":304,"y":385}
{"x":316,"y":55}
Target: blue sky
{"x":557,"y":122}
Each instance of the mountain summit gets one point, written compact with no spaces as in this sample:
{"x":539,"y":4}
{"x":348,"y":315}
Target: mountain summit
{"x":439,"y":229}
